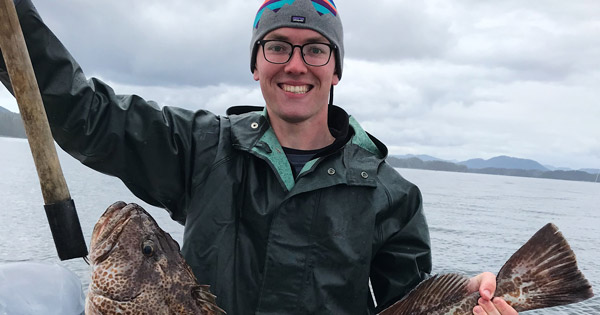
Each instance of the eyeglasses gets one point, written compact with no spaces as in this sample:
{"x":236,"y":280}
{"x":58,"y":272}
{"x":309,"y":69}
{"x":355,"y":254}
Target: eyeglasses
{"x":280,"y":52}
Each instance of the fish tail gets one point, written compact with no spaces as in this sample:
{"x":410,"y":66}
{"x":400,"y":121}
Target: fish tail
{"x":542,"y":273}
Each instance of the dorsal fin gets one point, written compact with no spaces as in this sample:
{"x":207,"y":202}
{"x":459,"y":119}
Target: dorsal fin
{"x":436,"y":291}
{"x":542,"y":273}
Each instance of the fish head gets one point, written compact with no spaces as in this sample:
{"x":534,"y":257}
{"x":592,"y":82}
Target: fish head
{"x":136,"y":266}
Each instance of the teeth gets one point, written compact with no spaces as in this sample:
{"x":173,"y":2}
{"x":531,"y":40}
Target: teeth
{"x":295,"y":89}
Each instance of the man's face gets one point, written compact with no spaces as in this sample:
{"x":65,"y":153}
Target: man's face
{"x":295,"y":92}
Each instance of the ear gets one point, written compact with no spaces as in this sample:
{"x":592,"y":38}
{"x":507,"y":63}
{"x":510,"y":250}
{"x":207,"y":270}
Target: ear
{"x":335,"y":80}
{"x":255,"y":74}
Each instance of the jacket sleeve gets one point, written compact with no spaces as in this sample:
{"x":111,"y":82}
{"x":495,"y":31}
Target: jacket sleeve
{"x":150,"y":149}
{"x":404,"y":257}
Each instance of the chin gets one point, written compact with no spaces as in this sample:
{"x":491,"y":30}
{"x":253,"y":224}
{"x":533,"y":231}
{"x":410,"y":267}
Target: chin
{"x":292,"y":117}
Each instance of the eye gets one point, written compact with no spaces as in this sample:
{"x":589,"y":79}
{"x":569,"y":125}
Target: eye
{"x":277,"y":47}
{"x":316,"y":49}
{"x":148,"y":248}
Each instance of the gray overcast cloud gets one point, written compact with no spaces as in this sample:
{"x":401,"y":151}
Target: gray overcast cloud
{"x":453,"y":79}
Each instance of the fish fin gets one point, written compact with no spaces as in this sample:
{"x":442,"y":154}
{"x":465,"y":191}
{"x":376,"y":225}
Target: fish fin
{"x":436,"y":291}
{"x":206,"y":299}
{"x":542,"y":273}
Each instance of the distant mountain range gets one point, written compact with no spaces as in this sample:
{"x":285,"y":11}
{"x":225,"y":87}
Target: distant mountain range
{"x":498,"y":162}
{"x":504,"y":162}
{"x":500,"y":165}
{"x":422,"y":157}
{"x":11,"y":124}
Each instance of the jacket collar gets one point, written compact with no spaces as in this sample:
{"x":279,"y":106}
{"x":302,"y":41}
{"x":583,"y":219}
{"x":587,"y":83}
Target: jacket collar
{"x":361,"y":156}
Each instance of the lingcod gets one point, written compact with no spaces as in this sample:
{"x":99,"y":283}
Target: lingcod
{"x":137,"y":268}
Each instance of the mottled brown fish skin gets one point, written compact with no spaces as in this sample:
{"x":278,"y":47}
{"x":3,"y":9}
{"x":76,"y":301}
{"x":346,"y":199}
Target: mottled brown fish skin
{"x":542,"y":273}
{"x":137,"y":268}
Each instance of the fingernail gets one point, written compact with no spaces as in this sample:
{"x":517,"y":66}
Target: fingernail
{"x":487,"y":294}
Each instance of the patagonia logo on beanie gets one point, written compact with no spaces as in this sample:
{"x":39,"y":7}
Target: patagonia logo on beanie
{"x":318,"y":15}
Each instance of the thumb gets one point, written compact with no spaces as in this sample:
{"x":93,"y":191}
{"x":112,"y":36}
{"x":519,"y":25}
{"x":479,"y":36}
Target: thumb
{"x":485,"y":283}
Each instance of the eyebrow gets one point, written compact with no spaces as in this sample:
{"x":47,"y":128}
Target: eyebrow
{"x":316,"y":39}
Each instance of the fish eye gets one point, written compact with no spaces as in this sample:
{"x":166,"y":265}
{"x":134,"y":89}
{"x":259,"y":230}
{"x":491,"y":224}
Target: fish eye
{"x":148,"y":248}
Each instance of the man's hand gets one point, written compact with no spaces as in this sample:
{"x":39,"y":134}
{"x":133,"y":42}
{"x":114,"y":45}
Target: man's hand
{"x":485,"y":283}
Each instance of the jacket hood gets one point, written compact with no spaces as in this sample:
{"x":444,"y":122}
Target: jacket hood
{"x":361,"y":138}
{"x":251,"y":132}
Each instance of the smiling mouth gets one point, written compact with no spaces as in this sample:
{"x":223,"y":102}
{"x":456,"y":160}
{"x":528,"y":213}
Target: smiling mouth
{"x":296,"y":89}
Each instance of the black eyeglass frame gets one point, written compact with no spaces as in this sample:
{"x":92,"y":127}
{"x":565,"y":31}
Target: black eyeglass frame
{"x":262,"y":43}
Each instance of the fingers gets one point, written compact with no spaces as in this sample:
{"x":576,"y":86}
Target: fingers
{"x":495,"y":307}
{"x":485,"y":283}
{"x":487,"y":286}
{"x":485,"y":307}
{"x":503,"y":307}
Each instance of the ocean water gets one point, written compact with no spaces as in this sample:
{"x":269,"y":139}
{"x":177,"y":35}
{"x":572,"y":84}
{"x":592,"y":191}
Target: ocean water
{"x":477,"y":221}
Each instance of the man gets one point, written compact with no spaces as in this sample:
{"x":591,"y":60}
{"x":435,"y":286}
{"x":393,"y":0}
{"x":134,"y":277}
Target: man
{"x":287,"y":210}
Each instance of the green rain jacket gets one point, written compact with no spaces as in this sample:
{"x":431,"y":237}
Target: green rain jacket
{"x":266,"y":242}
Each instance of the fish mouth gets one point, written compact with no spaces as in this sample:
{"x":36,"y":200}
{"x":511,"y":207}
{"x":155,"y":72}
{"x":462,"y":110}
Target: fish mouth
{"x":107,"y":220}
{"x":111,"y":224}
{"x":108,"y":229}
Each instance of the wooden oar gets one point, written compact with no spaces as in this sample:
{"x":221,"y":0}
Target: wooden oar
{"x":60,"y":209}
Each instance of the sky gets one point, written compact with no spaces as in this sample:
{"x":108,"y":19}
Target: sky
{"x":453,"y":79}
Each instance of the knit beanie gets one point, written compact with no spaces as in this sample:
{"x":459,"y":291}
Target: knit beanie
{"x":318,"y":15}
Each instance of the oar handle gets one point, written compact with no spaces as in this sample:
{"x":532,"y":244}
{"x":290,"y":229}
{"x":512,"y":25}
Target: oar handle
{"x":64,"y":222}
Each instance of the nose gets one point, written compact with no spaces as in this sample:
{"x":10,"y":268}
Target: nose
{"x":296,"y":64}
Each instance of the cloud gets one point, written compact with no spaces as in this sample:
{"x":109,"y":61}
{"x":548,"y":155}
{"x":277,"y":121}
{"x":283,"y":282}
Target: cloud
{"x":464,"y":111}
{"x":215,"y":98}
{"x":157,"y":42}
{"x":392,"y":30}
{"x":456,"y":80}
{"x":533,"y":40}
